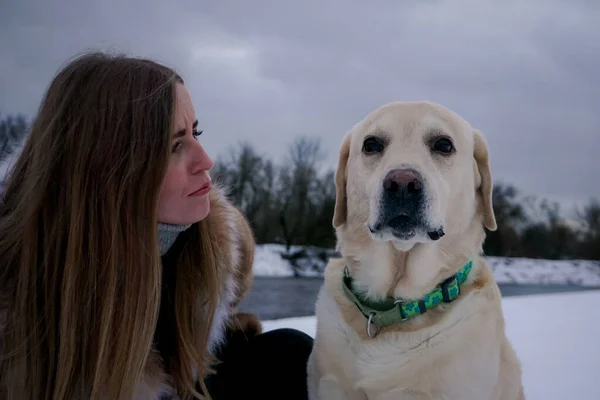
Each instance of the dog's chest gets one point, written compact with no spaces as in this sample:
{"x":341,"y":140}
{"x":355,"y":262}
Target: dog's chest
{"x":453,"y":366}
{"x":460,"y":361}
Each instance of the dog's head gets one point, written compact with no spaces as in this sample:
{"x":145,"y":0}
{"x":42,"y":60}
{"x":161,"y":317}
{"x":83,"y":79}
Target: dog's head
{"x":412,"y":172}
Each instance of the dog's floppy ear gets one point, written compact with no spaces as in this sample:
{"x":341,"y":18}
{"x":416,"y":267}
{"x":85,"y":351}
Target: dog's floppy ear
{"x":341,"y":210}
{"x":484,"y":182}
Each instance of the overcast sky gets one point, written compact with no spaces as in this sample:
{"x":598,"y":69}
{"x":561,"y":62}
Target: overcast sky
{"x":525,"y":72}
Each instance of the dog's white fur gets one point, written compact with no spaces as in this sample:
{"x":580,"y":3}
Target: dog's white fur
{"x":455,"y":351}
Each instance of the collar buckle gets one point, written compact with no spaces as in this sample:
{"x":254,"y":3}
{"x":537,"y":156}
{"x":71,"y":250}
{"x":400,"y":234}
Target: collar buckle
{"x":369,"y":323}
{"x":450,"y":289}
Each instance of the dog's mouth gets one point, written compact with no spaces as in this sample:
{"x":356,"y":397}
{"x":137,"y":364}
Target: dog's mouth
{"x":406,"y":227}
{"x":403,"y":227}
{"x":436,"y":234}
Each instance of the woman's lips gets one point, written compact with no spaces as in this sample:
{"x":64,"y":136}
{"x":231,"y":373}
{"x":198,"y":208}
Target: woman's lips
{"x":202,"y":191}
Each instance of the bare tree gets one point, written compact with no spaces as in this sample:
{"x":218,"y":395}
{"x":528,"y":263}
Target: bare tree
{"x":320,"y":230}
{"x":590,"y":243}
{"x":299,"y":185}
{"x":510,"y":218}
{"x":548,"y":236}
{"x":250,"y":178}
{"x":239,"y":171}
{"x":12,"y":131}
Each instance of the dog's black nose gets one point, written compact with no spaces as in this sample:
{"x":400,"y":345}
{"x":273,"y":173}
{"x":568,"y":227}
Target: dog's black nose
{"x":403,"y":183}
{"x":402,"y":204}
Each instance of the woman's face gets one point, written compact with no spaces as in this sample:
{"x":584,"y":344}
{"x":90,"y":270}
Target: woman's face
{"x":183,"y":197}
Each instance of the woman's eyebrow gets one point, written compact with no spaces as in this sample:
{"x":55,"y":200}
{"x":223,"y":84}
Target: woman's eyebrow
{"x":182,"y":132}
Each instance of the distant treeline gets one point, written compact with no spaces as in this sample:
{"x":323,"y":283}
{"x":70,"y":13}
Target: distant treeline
{"x":291,"y":202}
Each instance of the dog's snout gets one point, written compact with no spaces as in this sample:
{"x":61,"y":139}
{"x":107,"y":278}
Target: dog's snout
{"x":403,"y":182}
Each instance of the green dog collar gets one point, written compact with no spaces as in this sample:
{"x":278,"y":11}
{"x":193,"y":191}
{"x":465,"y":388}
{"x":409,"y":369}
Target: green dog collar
{"x":391,"y":311}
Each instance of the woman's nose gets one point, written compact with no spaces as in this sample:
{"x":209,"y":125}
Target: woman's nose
{"x":202,"y":160}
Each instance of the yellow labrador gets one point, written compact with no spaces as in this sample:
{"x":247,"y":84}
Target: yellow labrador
{"x":411,"y":310}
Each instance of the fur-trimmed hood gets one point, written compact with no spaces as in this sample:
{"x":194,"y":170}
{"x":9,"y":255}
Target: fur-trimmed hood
{"x":236,"y":241}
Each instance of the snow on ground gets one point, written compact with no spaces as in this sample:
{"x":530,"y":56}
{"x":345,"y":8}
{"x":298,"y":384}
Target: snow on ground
{"x":268,"y":261}
{"x":555,"y":336}
{"x":275,"y":261}
{"x":534,"y":271}
{"x":311,"y":261}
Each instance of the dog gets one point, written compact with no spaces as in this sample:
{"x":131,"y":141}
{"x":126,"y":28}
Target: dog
{"x":411,"y":310}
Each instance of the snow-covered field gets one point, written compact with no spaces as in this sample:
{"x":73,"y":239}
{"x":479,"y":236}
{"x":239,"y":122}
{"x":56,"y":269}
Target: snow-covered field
{"x":555,"y":336}
{"x":312,"y":261}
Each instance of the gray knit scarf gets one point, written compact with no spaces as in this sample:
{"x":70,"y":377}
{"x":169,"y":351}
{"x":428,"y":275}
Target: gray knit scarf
{"x":167,"y":234}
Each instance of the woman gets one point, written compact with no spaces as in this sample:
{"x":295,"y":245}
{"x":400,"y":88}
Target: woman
{"x":121,"y":266}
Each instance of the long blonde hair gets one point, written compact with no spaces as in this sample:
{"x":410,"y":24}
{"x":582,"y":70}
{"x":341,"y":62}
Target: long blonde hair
{"x":80,"y":270}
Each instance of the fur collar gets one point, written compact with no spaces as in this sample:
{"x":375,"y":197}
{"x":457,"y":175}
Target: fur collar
{"x":235,"y":236}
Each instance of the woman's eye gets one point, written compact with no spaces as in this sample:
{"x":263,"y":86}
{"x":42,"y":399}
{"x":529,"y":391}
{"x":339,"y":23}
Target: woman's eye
{"x":177,"y":146}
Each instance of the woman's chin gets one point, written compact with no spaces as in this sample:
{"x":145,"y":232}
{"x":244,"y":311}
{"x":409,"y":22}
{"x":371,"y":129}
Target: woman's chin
{"x":201,"y":211}
{"x":196,"y":213}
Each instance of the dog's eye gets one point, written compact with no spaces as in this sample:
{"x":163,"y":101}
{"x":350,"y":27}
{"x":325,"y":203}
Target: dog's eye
{"x":443,"y":146}
{"x":372,"y":145}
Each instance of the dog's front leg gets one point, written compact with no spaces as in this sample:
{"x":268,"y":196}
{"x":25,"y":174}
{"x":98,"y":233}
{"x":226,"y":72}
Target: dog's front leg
{"x":326,"y":387}
{"x":312,"y":374}
{"x":329,"y":388}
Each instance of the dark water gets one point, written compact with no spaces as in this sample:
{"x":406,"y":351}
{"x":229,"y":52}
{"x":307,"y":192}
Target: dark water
{"x":273,"y":298}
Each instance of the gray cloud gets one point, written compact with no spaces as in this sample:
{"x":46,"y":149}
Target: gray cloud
{"x":522,"y":71}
